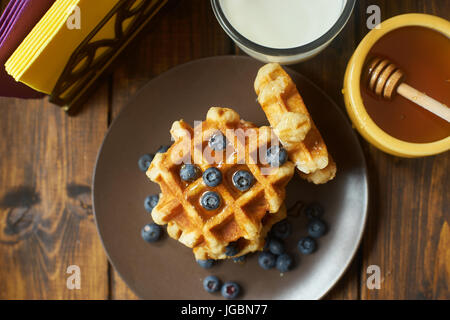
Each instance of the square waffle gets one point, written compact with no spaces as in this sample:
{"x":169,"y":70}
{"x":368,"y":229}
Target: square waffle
{"x":291,"y":121}
{"x":243,"y":218}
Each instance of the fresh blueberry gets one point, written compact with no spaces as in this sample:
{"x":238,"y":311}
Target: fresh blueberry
{"x":145,"y":161}
{"x":282,"y":229}
{"x":276,"y":156}
{"x":189,"y":172}
{"x":307,"y":245}
{"x":217,"y":142}
{"x":212,"y":177}
{"x":284,"y":262}
{"x":150,"y":202}
{"x":210,"y":200}
{"x":276,"y":246}
{"x":317,"y":228}
{"x":314,"y":210}
{"x":231,"y":250}
{"x":230,"y":290}
{"x":151,"y":232}
{"x":243,"y":180}
{"x":240,"y":259}
{"x":163,"y":149}
{"x":206,"y":264}
{"x":211,"y":284}
{"x":266,"y":260}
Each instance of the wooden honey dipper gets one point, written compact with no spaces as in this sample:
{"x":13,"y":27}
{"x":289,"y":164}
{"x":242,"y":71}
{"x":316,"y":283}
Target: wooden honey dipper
{"x":385,"y":79}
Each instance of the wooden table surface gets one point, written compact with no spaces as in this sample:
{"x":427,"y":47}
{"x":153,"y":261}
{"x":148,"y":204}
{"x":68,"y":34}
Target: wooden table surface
{"x":47,"y":160}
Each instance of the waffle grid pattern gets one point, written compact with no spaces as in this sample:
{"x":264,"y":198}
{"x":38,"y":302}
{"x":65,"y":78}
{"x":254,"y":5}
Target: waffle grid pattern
{"x":288,"y":115}
{"x":241,"y":216}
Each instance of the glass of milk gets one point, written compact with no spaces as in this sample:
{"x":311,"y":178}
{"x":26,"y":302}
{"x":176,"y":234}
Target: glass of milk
{"x":283,"y":31}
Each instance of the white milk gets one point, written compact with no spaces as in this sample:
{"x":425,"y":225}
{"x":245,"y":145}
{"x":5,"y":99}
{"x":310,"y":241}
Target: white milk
{"x":282,"y":24}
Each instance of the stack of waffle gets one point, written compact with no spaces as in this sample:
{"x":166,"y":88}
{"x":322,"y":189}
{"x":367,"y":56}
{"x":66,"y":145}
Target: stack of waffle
{"x":240,"y":219}
{"x":243,"y":218}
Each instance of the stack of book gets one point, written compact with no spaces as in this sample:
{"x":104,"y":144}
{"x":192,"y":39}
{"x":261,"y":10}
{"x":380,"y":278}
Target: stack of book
{"x":17,"y":20}
{"x":62,"y":47}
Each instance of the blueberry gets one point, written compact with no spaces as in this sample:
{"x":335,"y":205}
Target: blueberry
{"x":276,"y":246}
{"x":210,"y":200}
{"x":240,"y":259}
{"x":145,"y":161}
{"x":212,"y":177}
{"x":317,"y":228}
{"x":314,"y":210}
{"x":217,"y":142}
{"x":189,"y":172}
{"x":307,"y":245}
{"x":150,"y":202}
{"x":163,"y":149}
{"x":230,"y":290}
{"x":231,"y":249}
{"x":211,"y":284}
{"x":206,"y":264}
{"x":284,"y":262}
{"x":243,"y":180}
{"x":151,"y":232}
{"x":266,"y":260}
{"x":282,"y":229}
{"x":276,"y":156}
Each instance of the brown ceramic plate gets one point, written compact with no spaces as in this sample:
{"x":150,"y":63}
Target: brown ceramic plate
{"x":167,"y":270}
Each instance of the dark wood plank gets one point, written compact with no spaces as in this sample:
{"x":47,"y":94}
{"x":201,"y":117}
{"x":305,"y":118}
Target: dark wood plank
{"x":408,"y":232}
{"x":46,"y":221}
{"x":188,"y":32}
{"x":3,"y":4}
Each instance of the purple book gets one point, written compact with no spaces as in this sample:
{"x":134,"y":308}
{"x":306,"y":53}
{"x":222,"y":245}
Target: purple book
{"x":18,"y":19}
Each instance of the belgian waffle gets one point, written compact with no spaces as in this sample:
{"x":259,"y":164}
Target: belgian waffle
{"x":291,"y":121}
{"x":243,"y":218}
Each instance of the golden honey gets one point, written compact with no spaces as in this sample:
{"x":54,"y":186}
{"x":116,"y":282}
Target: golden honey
{"x":424,"y":55}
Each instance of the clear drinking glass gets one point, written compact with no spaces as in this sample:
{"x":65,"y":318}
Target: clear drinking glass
{"x":288,"y":55}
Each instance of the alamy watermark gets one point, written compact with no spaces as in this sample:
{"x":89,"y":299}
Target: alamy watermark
{"x":374,"y":18}
{"x":74,"y":280}
{"x":74,"y":20}
{"x":374,"y":277}
{"x":252,"y":146}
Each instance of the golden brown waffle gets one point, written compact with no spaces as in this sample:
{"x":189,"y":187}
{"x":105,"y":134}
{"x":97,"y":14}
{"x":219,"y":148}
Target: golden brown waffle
{"x":323,"y":175}
{"x":243,"y":218}
{"x":291,"y":121}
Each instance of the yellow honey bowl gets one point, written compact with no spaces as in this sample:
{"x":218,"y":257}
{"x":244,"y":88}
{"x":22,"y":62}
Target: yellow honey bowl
{"x":352,"y":91}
